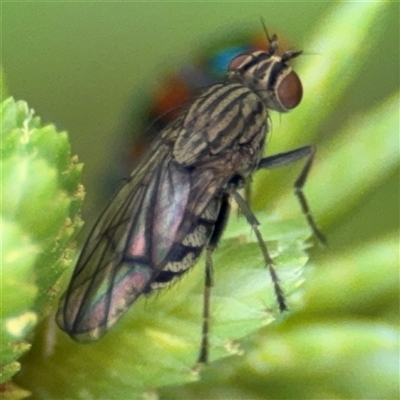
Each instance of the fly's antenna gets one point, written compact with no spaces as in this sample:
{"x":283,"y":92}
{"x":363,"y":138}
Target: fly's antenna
{"x":272,"y":40}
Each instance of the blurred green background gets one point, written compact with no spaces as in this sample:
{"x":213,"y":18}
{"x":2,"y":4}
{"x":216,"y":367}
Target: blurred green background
{"x":89,"y":67}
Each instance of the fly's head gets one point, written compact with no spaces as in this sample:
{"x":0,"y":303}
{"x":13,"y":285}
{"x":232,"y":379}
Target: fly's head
{"x":268,"y":75}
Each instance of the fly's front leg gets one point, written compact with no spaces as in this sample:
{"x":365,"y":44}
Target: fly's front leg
{"x":282,"y":159}
{"x":280,"y":297}
{"x":219,"y":227}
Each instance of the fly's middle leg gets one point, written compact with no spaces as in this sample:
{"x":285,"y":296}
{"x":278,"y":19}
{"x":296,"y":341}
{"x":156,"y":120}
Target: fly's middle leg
{"x":280,"y":297}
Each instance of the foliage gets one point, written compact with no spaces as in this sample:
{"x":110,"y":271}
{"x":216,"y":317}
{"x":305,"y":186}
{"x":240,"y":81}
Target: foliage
{"x":340,"y":339}
{"x":41,"y":198}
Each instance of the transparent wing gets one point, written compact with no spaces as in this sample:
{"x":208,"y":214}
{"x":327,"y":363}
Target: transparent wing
{"x":130,"y":243}
{"x":126,"y":248}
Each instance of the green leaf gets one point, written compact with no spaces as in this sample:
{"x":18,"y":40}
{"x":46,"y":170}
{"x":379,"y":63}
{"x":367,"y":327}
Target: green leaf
{"x":168,"y":324}
{"x":364,"y":285}
{"x":339,"y":339}
{"x":39,"y":217}
{"x":338,"y":360}
{"x":338,"y":345}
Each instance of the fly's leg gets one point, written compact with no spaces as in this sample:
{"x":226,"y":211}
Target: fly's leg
{"x":208,"y":283}
{"x":282,"y":159}
{"x":247,"y":190}
{"x":280,"y":297}
{"x":209,"y":280}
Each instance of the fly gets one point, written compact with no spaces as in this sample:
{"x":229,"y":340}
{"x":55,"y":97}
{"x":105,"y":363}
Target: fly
{"x":175,"y":204}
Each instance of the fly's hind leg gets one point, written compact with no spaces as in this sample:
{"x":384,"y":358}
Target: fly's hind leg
{"x":209,"y":272}
{"x":282,"y":159}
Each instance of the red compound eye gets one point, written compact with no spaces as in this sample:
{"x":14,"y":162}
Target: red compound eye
{"x":290,"y":91}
